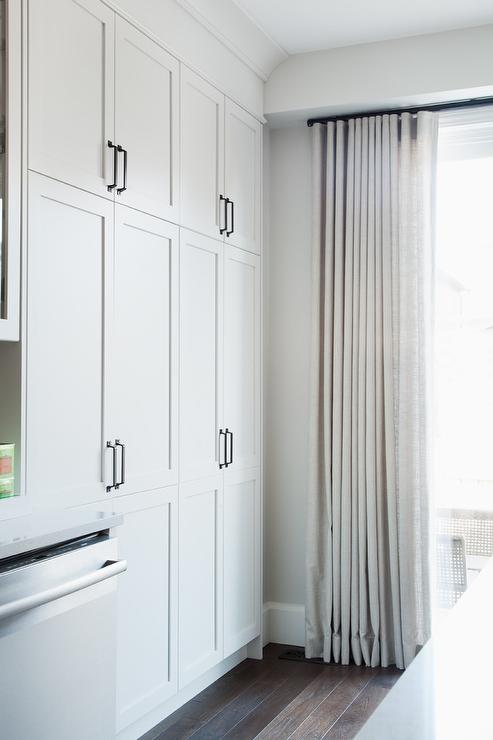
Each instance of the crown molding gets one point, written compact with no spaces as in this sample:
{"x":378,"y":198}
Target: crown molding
{"x":228,"y":31}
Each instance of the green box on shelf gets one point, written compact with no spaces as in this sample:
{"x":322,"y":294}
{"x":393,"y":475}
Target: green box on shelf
{"x":7,"y":487}
{"x":7,"y":480}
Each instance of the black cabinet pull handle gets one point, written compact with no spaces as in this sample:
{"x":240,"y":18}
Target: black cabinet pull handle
{"x":118,"y":443}
{"x":230,"y":461}
{"x":222,"y":199}
{"x":231,"y":230}
{"x":113,"y":448}
{"x":115,"y":166}
{"x":222,"y":434}
{"x":119,"y":191}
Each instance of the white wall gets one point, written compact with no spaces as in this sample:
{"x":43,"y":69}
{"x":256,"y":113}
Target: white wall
{"x":184,"y":36}
{"x":287,"y":340}
{"x":453,"y":64}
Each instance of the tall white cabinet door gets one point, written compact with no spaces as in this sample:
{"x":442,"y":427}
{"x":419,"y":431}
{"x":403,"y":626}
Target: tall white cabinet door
{"x":200,"y":577}
{"x":69,"y":273}
{"x":242,"y":563}
{"x":201,"y":350}
{"x":243,"y":137}
{"x":242,"y":357}
{"x":147,"y":119}
{"x":144,"y":382}
{"x":71,"y":92}
{"x":201,"y":155}
{"x":147,"y":604}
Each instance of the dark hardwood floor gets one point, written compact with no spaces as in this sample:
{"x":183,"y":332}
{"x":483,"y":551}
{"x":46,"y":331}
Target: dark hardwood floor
{"x":278,"y":699}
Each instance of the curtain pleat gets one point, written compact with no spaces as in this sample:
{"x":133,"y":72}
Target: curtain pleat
{"x":367,"y":574}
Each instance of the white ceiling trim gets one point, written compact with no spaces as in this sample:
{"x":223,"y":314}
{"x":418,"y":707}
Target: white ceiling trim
{"x":230,"y":32}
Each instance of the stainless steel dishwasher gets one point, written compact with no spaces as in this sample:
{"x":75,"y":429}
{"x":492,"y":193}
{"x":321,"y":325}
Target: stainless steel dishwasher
{"x":57,"y":640}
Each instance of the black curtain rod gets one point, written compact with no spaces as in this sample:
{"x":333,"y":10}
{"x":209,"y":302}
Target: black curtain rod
{"x":470,"y":103}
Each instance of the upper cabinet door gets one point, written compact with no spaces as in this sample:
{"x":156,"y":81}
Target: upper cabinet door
{"x":69,"y":273}
{"x":242,"y":358}
{"x":71,"y":92}
{"x":147,"y":120}
{"x":144,"y":382}
{"x":201,"y":299}
{"x":242,"y":178}
{"x":202,"y":155}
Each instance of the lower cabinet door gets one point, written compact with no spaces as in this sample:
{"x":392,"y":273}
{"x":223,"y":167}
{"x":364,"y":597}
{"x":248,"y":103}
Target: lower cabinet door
{"x":200,"y":577}
{"x":147,"y":603}
{"x":242,"y":558}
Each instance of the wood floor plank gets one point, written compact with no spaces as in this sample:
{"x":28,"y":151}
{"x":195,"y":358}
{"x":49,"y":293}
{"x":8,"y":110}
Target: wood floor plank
{"x":296,"y":711}
{"x":277,"y":699}
{"x":299,"y":676}
{"x":355,"y":716}
{"x":199,"y":710}
{"x":323,"y":717}
{"x":243,"y":704}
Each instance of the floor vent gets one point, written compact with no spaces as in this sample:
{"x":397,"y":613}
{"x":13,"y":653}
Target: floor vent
{"x":299,"y":656}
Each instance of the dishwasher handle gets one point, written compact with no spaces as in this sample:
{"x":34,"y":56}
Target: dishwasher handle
{"x":109,"y":569}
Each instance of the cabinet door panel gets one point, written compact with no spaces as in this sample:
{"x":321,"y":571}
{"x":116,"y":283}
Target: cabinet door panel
{"x":144,"y":382}
{"x":242,"y":581}
{"x":147,"y":115}
{"x":242,"y":179}
{"x":242,"y":355}
{"x":201,"y":298}
{"x":202,"y":154}
{"x":71,"y":92}
{"x":147,"y":604}
{"x":70,"y":245}
{"x":200,"y":577}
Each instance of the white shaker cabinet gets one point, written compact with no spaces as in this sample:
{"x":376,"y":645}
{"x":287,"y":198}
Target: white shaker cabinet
{"x":242,"y":182}
{"x":146,"y":123}
{"x":102,"y":335}
{"x":220,"y":524}
{"x":220,"y":165}
{"x":242,"y":367}
{"x":220,"y":369}
{"x":71,"y":111}
{"x":103,"y":105}
{"x":147,"y":604}
{"x":143,"y":392}
{"x":70,"y":279}
{"x":202,"y":155}
{"x":143,"y":346}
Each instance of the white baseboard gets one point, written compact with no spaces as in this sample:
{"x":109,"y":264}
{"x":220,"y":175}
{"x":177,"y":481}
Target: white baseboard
{"x":284,"y":623}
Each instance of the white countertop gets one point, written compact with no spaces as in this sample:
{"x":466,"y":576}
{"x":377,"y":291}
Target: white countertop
{"x":42,"y":529}
{"x":447,"y":691}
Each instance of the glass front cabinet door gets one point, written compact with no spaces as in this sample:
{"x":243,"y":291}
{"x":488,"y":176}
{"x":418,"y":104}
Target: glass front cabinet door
{"x":10,"y":166}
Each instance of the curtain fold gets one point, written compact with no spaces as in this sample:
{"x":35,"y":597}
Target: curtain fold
{"x":368,"y":593}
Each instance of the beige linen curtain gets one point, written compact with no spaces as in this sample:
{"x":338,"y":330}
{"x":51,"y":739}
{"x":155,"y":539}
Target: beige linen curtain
{"x":368,"y":593}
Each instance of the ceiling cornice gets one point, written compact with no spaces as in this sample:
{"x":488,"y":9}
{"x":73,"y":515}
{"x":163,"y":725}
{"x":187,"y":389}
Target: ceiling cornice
{"x":260,"y":53}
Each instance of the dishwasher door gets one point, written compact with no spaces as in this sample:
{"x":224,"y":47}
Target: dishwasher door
{"x":57,"y":642}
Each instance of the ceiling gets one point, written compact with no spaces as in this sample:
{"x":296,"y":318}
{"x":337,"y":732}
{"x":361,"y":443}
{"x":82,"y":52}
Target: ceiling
{"x":309,"y":25}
